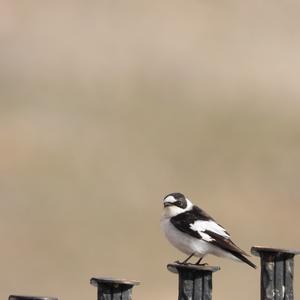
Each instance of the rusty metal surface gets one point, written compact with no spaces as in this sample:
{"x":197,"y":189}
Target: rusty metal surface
{"x":95,"y":281}
{"x":113,"y":289}
{"x":277,"y":272}
{"x":256,"y":250}
{"x":174,"y":267}
{"x":26,"y":297}
{"x":195,"y":282}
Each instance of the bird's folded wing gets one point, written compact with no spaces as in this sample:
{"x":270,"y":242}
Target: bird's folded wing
{"x":196,"y":223}
{"x":183,"y":223}
{"x":224,"y":243}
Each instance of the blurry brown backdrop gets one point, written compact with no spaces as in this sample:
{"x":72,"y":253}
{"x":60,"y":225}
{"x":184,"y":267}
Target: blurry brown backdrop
{"x":106,"y":106}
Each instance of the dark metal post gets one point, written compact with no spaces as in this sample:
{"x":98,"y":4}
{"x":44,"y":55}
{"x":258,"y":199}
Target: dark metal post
{"x":277,"y":273}
{"x":113,"y":289}
{"x":195,"y":282}
{"x":18,"y":297}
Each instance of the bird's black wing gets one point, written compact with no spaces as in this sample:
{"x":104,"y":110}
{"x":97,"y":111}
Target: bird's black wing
{"x":224,"y":243}
{"x":184,"y":220}
{"x":227,"y":245}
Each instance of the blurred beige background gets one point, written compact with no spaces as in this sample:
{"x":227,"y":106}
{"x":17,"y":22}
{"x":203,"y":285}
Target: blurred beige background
{"x":106,"y":106}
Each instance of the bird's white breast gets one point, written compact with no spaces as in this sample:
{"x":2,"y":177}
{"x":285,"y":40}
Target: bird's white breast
{"x":182,"y":241}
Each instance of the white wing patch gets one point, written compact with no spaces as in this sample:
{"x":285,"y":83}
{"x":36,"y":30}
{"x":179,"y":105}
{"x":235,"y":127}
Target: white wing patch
{"x":202,"y":226}
{"x":206,"y":237}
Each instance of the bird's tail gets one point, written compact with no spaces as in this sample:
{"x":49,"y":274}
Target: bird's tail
{"x":244,"y":259}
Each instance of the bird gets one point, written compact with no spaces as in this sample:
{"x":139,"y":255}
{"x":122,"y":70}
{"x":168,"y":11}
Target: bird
{"x":195,"y":233}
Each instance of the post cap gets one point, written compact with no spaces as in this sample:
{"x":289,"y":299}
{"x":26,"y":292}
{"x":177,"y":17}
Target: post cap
{"x":23,"y":297}
{"x":258,"y":250}
{"x":113,"y":281}
{"x":192,"y":267}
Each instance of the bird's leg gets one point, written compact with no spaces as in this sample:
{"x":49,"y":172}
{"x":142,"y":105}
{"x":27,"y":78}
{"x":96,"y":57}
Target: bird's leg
{"x":186,"y":260}
{"x":199,"y":260}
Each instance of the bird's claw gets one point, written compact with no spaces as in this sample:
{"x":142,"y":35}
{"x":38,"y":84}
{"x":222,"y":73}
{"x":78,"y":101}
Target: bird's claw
{"x":181,"y":262}
{"x":186,"y":263}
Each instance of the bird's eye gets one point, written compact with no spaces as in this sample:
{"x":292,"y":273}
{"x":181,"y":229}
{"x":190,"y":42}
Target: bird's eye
{"x":179,"y":203}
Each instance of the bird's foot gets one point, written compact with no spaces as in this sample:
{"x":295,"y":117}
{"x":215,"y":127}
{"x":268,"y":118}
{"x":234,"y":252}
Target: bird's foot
{"x":185,"y":262}
{"x":182,"y":262}
{"x":198,"y":262}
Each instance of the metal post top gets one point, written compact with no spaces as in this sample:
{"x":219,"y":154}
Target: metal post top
{"x":175,"y":267}
{"x":96,"y":281}
{"x":258,"y":250}
{"x":23,"y":297}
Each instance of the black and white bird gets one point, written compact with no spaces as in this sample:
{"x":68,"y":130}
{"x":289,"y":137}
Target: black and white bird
{"x":195,"y":233}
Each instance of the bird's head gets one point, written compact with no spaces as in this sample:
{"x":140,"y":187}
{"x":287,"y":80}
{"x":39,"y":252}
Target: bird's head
{"x":176,"y":203}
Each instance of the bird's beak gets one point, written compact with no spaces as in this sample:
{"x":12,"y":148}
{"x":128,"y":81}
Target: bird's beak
{"x":166,"y":204}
